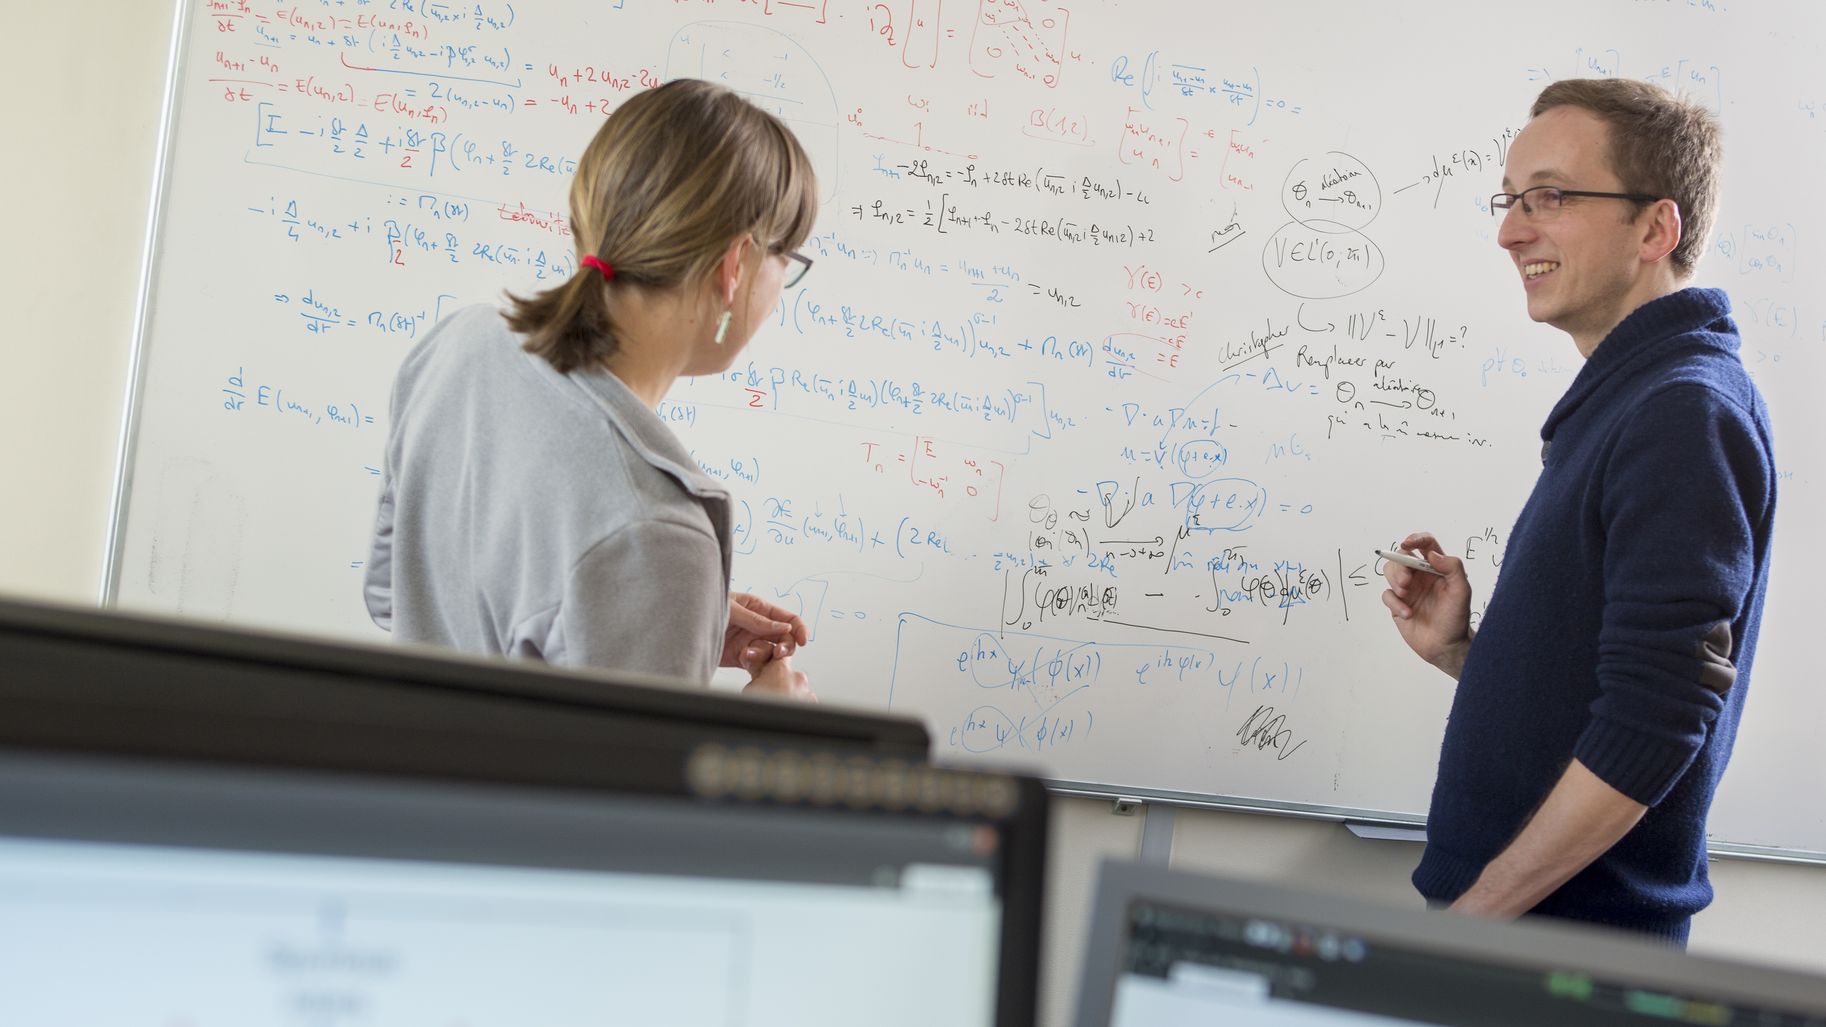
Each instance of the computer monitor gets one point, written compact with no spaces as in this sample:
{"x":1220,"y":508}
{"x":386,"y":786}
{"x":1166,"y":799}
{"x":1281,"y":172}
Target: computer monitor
{"x":1171,"y":949}
{"x":139,"y":668}
{"x":173,"y":864}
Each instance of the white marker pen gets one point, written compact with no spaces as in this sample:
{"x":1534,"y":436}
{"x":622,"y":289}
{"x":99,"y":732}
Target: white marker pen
{"x":1405,"y":560}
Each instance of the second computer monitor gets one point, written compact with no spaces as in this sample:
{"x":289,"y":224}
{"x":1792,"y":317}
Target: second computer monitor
{"x":1174,"y":949}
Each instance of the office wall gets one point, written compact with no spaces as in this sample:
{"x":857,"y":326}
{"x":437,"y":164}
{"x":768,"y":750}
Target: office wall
{"x":83,"y":129}
{"x":78,"y":196}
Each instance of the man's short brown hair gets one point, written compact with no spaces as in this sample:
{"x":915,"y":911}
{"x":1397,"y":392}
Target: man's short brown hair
{"x":1660,"y":145}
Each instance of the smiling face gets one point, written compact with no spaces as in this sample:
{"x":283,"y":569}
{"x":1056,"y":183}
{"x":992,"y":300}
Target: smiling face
{"x":1584,"y":269}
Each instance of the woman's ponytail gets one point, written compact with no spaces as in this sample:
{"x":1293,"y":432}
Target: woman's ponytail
{"x":569,"y":325}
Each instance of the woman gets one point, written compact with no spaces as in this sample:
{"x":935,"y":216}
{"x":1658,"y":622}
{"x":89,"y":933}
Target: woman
{"x":534,"y":504}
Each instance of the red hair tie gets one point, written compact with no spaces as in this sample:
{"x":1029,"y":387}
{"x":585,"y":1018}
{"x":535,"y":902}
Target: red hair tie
{"x":592,"y":260}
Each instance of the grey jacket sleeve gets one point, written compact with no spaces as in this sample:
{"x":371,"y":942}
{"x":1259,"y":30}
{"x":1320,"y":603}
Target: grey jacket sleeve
{"x":649,"y":598}
{"x":377,"y":577}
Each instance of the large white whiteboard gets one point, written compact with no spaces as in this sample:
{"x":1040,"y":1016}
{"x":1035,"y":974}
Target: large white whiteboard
{"x":1191,"y":304}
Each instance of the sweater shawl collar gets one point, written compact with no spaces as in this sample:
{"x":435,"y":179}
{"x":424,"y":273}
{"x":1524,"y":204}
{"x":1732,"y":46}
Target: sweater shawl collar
{"x":1689,"y":318}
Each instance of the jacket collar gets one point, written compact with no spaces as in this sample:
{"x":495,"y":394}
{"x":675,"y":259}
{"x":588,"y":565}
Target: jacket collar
{"x":645,"y":432}
{"x":1691,"y":317}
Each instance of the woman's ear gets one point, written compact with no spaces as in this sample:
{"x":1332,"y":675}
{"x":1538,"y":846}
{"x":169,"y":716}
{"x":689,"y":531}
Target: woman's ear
{"x":730,"y":268}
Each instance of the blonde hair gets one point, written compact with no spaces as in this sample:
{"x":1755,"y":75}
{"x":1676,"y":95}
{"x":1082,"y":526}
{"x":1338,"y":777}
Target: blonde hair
{"x":670,"y":178}
{"x":1660,"y":145}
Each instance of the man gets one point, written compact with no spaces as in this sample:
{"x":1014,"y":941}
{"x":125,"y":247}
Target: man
{"x":1597,"y":704}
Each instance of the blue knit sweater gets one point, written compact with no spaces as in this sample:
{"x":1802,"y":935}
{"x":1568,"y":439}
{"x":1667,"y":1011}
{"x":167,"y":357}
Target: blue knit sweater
{"x":1621,"y":630}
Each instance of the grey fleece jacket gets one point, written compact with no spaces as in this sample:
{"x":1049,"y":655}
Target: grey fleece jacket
{"x":544,"y":515}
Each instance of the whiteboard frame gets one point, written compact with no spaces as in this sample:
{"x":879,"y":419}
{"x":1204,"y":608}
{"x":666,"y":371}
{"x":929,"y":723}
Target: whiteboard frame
{"x":142,"y":312}
{"x":129,"y":438}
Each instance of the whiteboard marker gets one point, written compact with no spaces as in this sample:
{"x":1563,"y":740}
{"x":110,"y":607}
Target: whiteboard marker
{"x":1409,"y":561}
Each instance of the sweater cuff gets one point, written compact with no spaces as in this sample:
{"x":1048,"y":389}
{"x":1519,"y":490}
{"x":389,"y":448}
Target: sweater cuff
{"x":1640,"y":765}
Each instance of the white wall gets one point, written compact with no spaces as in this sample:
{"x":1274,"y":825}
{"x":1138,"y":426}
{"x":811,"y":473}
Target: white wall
{"x":78,"y":187}
{"x":77,"y":179}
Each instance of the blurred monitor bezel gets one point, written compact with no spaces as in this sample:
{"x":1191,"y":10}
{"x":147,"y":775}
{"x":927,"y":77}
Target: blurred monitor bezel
{"x":1533,"y":945}
{"x":134,"y":671}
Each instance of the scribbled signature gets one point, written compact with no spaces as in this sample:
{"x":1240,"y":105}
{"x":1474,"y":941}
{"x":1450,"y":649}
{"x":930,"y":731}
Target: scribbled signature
{"x":1266,"y":729}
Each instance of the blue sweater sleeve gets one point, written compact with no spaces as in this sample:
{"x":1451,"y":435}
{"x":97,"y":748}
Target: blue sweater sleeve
{"x":1683,"y":486}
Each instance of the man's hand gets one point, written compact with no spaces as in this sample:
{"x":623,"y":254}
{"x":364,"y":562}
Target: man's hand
{"x":1433,"y":613}
{"x":769,"y":631}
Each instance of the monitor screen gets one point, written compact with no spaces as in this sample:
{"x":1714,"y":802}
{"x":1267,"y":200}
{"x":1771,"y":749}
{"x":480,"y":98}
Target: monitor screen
{"x":1174,"y":950}
{"x":137,"y":892}
{"x":203,"y":827}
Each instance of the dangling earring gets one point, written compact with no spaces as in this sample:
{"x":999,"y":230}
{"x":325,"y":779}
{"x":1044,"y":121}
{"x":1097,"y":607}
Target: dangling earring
{"x":722,"y":326}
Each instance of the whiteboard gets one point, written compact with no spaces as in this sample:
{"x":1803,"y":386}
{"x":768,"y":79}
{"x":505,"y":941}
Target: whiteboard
{"x":1131,"y":333}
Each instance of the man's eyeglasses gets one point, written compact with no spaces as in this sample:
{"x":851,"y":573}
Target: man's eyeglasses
{"x":1544,"y":202}
{"x":797,"y":264}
